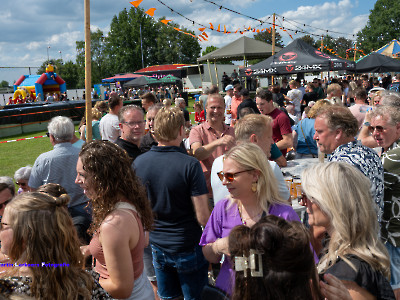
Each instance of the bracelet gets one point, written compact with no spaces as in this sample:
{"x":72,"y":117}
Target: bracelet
{"x":367,"y":124}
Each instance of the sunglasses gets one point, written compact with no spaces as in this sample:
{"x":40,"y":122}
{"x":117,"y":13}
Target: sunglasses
{"x":4,"y":203}
{"x":378,"y":129}
{"x":230,"y":177}
{"x":2,"y":225}
{"x":21,"y":183}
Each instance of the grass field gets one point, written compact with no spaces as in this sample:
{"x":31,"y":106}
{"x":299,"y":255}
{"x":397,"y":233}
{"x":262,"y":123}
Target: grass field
{"x":19,"y":154}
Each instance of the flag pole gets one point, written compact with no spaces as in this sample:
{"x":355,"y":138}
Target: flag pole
{"x":88,"y":73}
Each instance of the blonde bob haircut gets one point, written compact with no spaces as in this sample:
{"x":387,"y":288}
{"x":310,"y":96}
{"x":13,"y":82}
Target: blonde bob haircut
{"x":167,"y":123}
{"x":252,"y":124}
{"x":43,"y":232}
{"x":249,"y":156}
{"x":342,"y":193}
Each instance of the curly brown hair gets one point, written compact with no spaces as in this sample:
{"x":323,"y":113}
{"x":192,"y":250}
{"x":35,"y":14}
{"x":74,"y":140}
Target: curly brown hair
{"x":43,"y":232}
{"x":110,"y":175}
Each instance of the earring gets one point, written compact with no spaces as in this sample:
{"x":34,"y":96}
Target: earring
{"x":254,"y":187}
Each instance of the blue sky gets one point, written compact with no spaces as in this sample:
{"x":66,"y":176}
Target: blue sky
{"x":28,"y":27}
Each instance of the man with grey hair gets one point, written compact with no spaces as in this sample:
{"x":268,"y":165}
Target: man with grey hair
{"x":385,"y":129}
{"x":335,"y":131}
{"x":131,"y":123}
{"x":180,"y":102}
{"x":59,"y":166}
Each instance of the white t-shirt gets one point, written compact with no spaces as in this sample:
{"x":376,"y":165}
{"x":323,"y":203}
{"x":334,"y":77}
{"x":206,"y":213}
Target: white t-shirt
{"x":109,"y":127}
{"x":221,"y":192}
{"x":228,"y":102}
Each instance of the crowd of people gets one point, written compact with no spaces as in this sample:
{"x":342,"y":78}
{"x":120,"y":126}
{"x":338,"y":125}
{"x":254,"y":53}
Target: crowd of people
{"x":153,"y":207}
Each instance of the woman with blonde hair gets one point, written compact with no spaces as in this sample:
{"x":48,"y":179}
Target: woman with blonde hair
{"x":253,"y":194}
{"x":38,"y":235}
{"x":121,"y":213}
{"x":337,"y":196}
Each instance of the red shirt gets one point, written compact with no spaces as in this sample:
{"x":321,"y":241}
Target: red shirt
{"x":199,"y":117}
{"x":280,"y":126}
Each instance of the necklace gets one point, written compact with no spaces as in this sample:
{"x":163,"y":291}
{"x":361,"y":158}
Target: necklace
{"x":244,"y":220}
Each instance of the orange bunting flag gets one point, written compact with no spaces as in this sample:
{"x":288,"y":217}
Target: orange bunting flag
{"x":258,"y":30}
{"x":254,"y":30}
{"x":269,"y":30}
{"x":177,"y":29}
{"x":202,"y":29}
{"x":224,"y":29}
{"x":262,"y":29}
{"x":200,"y":36}
{"x":136,"y":3}
{"x":205,"y":34}
{"x":219,"y":28}
{"x":236,"y":30}
{"x":165,"y":21}
{"x":211,"y":26}
{"x":249,"y":28}
{"x":151,"y":11}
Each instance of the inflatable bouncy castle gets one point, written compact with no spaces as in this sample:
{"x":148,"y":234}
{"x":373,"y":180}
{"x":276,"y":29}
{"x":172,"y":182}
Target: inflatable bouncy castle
{"x":32,"y":85}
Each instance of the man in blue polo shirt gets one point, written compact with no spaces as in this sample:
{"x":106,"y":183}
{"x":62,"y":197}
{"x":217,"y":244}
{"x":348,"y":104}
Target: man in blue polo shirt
{"x":177,"y":190}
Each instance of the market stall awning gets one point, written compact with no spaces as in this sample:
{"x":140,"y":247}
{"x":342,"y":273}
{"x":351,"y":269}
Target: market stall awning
{"x":243,"y":47}
{"x":141,"y":81}
{"x":121,"y":77}
{"x":377,"y":63}
{"x":298,"y":57}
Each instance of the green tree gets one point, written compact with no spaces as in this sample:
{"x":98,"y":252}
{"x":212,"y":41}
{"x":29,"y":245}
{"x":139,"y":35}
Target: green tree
{"x":209,"y":49}
{"x":4,"y":84}
{"x":383,"y":25}
{"x":342,"y":44}
{"x":71,"y":74}
{"x":266,"y":37}
{"x":99,"y":60}
{"x":308,"y":39}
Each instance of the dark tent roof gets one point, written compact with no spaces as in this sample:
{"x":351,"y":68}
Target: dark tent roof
{"x":298,"y":57}
{"x":242,"y":47}
{"x":141,"y":81}
{"x":121,"y":77}
{"x":377,"y":63}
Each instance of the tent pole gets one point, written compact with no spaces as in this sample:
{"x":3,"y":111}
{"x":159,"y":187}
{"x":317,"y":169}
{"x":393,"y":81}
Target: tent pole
{"x":88,"y":72}
{"x":216,"y":73}
{"x":209,"y":70}
{"x":273,"y":40}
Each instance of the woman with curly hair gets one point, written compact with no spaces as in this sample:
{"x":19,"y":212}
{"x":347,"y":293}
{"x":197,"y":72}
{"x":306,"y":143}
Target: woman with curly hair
{"x":38,"y":235}
{"x":121,"y":213}
{"x":338,"y":197}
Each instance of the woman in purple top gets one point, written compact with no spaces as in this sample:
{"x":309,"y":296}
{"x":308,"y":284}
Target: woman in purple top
{"x":253,"y":194}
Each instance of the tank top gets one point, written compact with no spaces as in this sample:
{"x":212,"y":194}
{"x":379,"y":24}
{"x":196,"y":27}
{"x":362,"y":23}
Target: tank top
{"x":136,"y":253}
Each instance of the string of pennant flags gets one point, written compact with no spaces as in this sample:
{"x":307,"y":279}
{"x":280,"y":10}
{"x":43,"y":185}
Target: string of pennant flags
{"x":224,"y":29}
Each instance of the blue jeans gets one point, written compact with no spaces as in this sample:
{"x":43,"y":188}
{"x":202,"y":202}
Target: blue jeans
{"x":394,"y":254}
{"x":181,"y":273}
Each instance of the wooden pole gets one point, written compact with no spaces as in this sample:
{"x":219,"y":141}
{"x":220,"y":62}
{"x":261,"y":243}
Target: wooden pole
{"x":355,"y":51}
{"x":209,"y":71}
{"x":273,"y":41}
{"x":216,"y":73}
{"x":88,"y":73}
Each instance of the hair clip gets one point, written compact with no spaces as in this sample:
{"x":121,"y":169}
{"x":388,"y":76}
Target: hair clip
{"x":242,"y":263}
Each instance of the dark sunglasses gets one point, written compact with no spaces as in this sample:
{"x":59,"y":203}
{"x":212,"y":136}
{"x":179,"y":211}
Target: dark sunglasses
{"x":2,"y":225}
{"x":21,"y":183}
{"x":5,"y":203}
{"x":229,"y":176}
{"x":378,"y":129}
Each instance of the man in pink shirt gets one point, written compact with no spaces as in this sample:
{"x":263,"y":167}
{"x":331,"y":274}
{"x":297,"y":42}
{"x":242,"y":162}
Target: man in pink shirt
{"x":213,"y":137}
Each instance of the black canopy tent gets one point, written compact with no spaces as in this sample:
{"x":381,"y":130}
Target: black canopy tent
{"x":141,"y":81}
{"x":298,"y":57}
{"x":377,"y":63}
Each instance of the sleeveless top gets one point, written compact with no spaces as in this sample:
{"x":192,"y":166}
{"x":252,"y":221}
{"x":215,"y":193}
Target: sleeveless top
{"x":136,"y":253}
